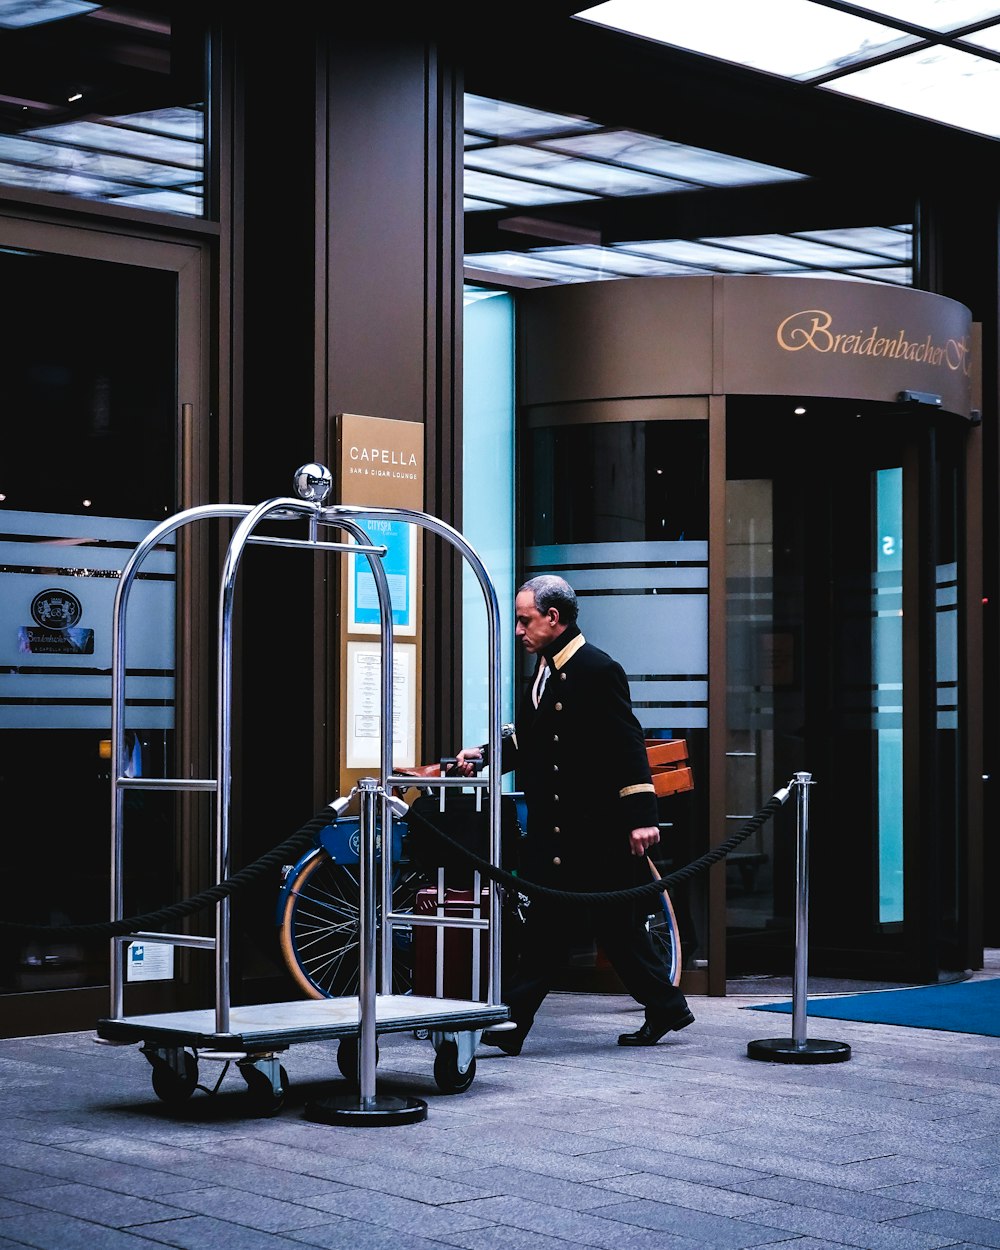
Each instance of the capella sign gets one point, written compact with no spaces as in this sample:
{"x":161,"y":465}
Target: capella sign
{"x":814,"y":328}
{"x":382,"y":462}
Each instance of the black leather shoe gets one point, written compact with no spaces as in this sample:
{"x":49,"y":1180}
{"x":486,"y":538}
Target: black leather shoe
{"x":653,"y":1030}
{"x":509,"y":1041}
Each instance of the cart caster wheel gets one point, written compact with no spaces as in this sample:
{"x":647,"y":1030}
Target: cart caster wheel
{"x":446,"y":1073}
{"x":349,"y":1058}
{"x":261,"y":1093}
{"x":175,"y":1087}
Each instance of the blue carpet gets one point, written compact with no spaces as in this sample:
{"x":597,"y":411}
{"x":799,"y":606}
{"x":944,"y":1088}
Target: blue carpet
{"x":957,"y":1007}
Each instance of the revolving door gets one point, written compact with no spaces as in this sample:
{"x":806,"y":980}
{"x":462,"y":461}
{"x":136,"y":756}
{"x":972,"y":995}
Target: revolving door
{"x":847,"y":655}
{"x":768,"y":491}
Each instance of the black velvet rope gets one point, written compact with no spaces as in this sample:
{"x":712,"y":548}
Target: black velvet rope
{"x":156,"y":921}
{"x":165,"y":917}
{"x":656,"y":886}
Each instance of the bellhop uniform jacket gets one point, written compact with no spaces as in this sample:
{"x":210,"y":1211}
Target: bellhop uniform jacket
{"x":580,"y":758}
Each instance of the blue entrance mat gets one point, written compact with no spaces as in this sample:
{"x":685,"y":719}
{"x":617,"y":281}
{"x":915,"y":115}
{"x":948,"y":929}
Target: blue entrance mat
{"x":958,"y":1007}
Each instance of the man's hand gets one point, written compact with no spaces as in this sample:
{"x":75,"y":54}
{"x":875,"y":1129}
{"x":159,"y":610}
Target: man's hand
{"x":640,"y":840}
{"x":468,"y":761}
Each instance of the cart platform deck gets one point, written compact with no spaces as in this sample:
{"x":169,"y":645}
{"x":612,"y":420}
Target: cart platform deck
{"x":274,"y":1026}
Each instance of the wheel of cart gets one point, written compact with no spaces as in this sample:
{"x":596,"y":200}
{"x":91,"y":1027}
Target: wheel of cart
{"x":175,"y":1075}
{"x":175,"y":1072}
{"x":455,"y":1061}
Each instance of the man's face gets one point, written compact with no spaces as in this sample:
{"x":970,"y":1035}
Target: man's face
{"x":535,"y":629}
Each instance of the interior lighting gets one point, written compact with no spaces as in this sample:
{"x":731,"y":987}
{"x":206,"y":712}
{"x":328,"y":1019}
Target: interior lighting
{"x":800,"y":411}
{"x":87,"y":502}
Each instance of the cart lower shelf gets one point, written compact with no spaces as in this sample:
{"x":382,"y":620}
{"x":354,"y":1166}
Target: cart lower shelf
{"x":174,"y":1041}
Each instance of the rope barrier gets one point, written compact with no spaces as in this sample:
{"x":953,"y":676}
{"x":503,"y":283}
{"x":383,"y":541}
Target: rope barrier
{"x":656,"y":886}
{"x":154,"y":921}
{"x":305,"y":836}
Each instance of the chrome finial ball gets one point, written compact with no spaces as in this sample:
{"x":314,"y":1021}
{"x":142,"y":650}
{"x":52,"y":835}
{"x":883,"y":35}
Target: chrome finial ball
{"x":313,"y":482}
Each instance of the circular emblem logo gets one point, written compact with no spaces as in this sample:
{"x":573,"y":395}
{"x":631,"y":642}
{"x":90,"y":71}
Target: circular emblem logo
{"x":56,"y":609}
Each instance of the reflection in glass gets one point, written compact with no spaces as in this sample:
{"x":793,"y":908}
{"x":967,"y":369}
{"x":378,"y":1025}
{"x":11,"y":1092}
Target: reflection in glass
{"x":105,"y":104}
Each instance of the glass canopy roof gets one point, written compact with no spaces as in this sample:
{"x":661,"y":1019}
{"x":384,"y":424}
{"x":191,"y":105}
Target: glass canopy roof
{"x":516,"y":157}
{"x":937,"y":59}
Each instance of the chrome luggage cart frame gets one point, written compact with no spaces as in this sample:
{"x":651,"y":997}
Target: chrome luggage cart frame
{"x":254,"y":1036}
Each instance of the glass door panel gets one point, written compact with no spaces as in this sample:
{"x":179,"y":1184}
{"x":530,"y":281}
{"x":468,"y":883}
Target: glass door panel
{"x":90,"y":392}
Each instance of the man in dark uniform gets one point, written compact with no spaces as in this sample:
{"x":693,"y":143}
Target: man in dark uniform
{"x":580,"y":756}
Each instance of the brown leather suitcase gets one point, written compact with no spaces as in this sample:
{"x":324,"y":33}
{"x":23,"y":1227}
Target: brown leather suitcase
{"x":442,"y":956}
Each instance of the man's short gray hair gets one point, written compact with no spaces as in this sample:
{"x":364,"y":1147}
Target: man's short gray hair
{"x":550,"y":591}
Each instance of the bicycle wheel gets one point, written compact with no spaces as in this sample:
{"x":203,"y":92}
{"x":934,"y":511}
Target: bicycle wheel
{"x":663,"y":930}
{"x":321,"y":929}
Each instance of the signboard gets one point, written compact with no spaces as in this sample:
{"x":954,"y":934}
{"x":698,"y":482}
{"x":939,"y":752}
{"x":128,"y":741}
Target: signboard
{"x":149,"y":961}
{"x":364,"y":704}
{"x":745,"y":334}
{"x":400,"y":564}
{"x":380,"y":465}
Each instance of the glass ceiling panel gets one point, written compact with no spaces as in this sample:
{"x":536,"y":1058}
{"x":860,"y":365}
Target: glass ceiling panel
{"x":581,"y":175}
{"x":939,"y":83}
{"x":471,"y":205}
{"x":525,"y":265}
{"x":900,"y":275}
{"x":694,"y":165}
{"x":612,"y":261}
{"x":988,"y":38}
{"x":707,"y":255}
{"x":880,"y":240}
{"x":500,"y":120}
{"x":801,"y":251}
{"x":939,"y":15}
{"x":861,"y":253}
{"x":511,"y":191}
{"x":814,"y":40}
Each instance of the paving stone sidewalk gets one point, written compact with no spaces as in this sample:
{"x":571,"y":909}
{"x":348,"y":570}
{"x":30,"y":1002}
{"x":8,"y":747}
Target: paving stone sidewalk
{"x":577,"y":1142}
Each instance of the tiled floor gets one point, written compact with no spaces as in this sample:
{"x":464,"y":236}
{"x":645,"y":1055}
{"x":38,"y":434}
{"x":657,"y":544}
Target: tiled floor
{"x":575,"y":1143}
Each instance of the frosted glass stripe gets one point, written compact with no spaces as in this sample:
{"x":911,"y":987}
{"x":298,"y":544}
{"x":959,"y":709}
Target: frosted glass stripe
{"x":546,"y":557}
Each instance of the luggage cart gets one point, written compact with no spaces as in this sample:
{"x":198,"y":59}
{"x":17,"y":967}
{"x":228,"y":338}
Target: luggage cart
{"x":254,"y":1037}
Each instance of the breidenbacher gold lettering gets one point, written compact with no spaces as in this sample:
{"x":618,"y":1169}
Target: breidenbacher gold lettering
{"x":813,"y":328}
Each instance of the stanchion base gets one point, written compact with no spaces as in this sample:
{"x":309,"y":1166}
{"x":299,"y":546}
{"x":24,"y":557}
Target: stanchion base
{"x":787,"y":1050}
{"x":382,"y":1109}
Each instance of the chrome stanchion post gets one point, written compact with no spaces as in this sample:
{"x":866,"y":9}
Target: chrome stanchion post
{"x":797,"y":1048}
{"x":802,"y":782}
{"x":368,"y":788}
